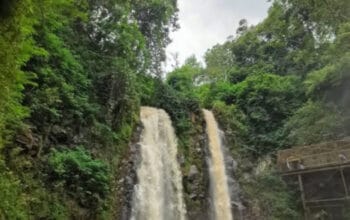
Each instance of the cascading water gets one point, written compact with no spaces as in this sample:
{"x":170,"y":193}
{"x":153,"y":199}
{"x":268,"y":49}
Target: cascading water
{"x":218,"y":177}
{"x":158,"y":195}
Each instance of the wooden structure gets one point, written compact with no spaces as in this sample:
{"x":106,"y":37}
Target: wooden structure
{"x":321,"y":172}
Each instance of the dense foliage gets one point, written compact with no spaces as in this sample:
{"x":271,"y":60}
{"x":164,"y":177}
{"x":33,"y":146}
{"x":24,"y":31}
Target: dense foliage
{"x":70,"y":75}
{"x":74,"y":73}
{"x":81,"y":175}
{"x":281,"y":83}
{"x":272,"y":198}
{"x":288,"y":75}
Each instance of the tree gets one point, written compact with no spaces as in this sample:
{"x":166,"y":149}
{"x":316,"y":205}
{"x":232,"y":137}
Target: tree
{"x":219,"y":60}
{"x":83,"y":176}
{"x":74,"y":69}
{"x":16,"y":46}
{"x":156,"y":18}
{"x":183,"y":78}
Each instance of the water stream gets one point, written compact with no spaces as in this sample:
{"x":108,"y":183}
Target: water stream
{"x":158,"y":194}
{"x":218,"y":178}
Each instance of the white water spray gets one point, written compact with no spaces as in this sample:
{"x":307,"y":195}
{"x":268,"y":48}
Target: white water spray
{"x":158,"y":195}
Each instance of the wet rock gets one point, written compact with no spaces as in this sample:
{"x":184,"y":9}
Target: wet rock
{"x":247,"y":177}
{"x":193,"y":172}
{"x":121,"y":180}
{"x":234,"y":164}
{"x":133,"y":148}
{"x":202,"y":138}
{"x":193,"y":196}
{"x":263,"y":165}
{"x":129,"y":181}
{"x":182,"y":160}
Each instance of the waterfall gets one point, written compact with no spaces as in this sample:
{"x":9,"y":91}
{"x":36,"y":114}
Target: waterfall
{"x":218,"y":178}
{"x":158,"y":194}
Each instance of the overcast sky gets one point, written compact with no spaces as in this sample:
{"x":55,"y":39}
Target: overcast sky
{"x":205,"y":23}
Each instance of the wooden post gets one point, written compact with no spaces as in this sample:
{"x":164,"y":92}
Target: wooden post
{"x":300,"y":180}
{"x":344,"y":183}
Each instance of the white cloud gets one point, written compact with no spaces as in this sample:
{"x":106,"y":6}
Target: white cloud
{"x":205,"y":23}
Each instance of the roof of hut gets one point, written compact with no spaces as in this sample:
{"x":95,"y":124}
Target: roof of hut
{"x":314,"y":156}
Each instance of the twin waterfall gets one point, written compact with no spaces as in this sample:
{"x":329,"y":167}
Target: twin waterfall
{"x":159,"y":192}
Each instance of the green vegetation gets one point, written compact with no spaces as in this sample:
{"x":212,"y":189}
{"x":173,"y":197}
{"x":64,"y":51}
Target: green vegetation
{"x":14,"y":205}
{"x":69,"y":76}
{"x":285,"y":78}
{"x":74,"y":73}
{"x":281,"y":83}
{"x":16,"y":49}
{"x":272,"y":198}
{"x":80,"y":175}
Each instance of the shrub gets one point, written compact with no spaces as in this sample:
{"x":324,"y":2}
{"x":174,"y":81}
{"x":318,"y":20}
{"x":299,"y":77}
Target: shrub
{"x":177,"y":105}
{"x":275,"y":201}
{"x":262,"y":103}
{"x":85,"y":178}
{"x":233,"y":122}
{"x":13,"y":203}
{"x":315,"y":122}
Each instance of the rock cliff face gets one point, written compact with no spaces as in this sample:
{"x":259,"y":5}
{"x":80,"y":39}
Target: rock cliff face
{"x":194,"y":169}
{"x":196,"y":178}
{"x":127,"y":177}
{"x":238,"y":209}
{"x":196,"y":182}
{"x":196,"y":172}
